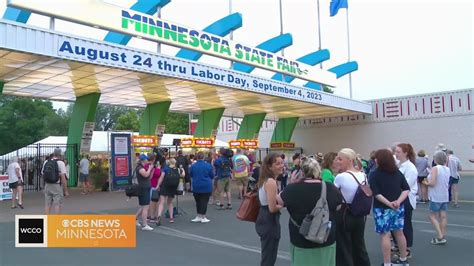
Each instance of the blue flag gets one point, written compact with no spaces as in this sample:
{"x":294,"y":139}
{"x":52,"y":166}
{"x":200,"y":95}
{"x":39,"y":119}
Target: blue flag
{"x":336,"y":5}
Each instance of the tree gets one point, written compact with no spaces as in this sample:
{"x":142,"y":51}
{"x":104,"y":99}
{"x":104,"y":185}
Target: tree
{"x":128,"y":121}
{"x":58,"y":123}
{"x":177,"y":123}
{"x":23,"y":121}
{"x":107,"y":115}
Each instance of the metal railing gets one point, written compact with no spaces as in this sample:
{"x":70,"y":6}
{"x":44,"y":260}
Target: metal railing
{"x":31,"y":159}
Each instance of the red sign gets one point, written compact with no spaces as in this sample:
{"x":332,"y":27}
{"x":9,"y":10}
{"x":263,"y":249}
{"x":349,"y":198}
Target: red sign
{"x":197,"y":142}
{"x":234,"y":144}
{"x":288,"y":145}
{"x":276,"y":145}
{"x":250,"y":143}
{"x":186,"y":143}
{"x":203,"y":142}
{"x":144,"y":141}
{"x":244,"y":143}
{"x":122,"y":166}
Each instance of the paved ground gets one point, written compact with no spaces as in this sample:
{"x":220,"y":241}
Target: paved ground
{"x":224,"y":241}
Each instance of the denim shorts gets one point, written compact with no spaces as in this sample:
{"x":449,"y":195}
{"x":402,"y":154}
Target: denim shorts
{"x":438,"y":206}
{"x":145,"y":196}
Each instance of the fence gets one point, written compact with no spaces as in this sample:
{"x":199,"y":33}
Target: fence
{"x":31,"y":159}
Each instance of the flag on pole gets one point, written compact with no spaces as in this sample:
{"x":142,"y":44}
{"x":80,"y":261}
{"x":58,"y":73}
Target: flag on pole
{"x":336,"y":5}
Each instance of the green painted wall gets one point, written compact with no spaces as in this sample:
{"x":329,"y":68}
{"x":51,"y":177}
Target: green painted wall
{"x":284,"y":129}
{"x":154,"y":114}
{"x":83,"y":111}
{"x":250,"y":126}
{"x":208,"y":120}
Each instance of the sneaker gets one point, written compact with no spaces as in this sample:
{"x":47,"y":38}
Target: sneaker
{"x":218,"y":203}
{"x":409,"y":255}
{"x":171,"y":220}
{"x":436,"y":241}
{"x":205,"y":220}
{"x":229,"y":207}
{"x":400,"y":262}
{"x":196,"y":220}
{"x":220,"y":207}
{"x":147,"y":228}
{"x":158,"y":221}
{"x":138,"y":223}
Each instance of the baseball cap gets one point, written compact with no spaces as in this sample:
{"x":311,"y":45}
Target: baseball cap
{"x":57,"y":151}
{"x":143,"y":157}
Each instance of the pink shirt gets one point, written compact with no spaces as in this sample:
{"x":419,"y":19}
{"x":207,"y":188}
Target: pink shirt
{"x":155,"y":177}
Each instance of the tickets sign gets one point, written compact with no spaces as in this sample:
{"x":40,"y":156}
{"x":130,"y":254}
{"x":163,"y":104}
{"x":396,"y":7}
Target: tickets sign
{"x":145,"y":141}
{"x":244,"y":143}
{"x":282,"y":145}
{"x":197,"y":142}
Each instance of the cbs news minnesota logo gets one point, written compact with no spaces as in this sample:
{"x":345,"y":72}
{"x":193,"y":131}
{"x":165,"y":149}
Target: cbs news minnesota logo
{"x":100,"y":231}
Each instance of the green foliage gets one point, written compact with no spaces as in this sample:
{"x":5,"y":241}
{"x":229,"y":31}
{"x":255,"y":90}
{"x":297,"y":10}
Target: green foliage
{"x":24,"y":121}
{"x":177,"y":123}
{"x":327,"y":89}
{"x":128,"y":121}
{"x":107,"y":116}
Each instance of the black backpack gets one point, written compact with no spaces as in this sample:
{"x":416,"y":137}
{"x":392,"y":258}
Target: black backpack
{"x":362,"y":202}
{"x":225,"y":165}
{"x":51,"y":172}
{"x":171,"y":178}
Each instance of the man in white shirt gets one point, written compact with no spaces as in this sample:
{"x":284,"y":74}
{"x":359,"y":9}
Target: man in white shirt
{"x":54,"y":191}
{"x":84,"y":174}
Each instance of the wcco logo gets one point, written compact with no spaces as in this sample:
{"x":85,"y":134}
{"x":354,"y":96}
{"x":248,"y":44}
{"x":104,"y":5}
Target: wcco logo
{"x":30,"y":231}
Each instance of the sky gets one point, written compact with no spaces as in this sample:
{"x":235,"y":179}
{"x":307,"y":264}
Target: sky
{"x":403,"y":47}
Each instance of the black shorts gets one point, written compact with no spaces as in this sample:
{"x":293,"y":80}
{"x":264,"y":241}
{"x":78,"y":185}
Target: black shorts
{"x":144,"y":198}
{"x":15,"y":184}
{"x":421,"y":178}
{"x":168,"y":191}
{"x":453,"y":180}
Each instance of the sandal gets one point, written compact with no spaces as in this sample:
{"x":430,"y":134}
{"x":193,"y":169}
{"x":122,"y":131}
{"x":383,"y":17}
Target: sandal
{"x":21,"y":206}
{"x":13,"y":207}
{"x":171,"y":220}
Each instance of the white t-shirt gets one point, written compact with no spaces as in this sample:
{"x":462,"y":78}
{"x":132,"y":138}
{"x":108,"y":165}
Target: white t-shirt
{"x":454,"y":165}
{"x":84,"y":166}
{"x":11,"y":170}
{"x":408,"y":169}
{"x":439,"y":192}
{"x":348,"y":186}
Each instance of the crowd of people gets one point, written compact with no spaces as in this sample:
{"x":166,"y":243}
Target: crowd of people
{"x":398,"y":178}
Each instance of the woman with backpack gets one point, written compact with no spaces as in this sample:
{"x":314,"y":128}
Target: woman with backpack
{"x":350,"y":248}
{"x":268,"y":219}
{"x":300,"y":199}
{"x":390,"y":190}
{"x":168,"y":185}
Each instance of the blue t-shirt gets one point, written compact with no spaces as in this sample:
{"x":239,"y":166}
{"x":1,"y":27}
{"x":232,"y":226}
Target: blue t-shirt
{"x":201,"y":174}
{"x":223,"y":167}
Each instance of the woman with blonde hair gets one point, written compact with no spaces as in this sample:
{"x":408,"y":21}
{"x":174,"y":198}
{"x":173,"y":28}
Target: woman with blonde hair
{"x":350,"y":248}
{"x":268,"y":220}
{"x":300,"y":199}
